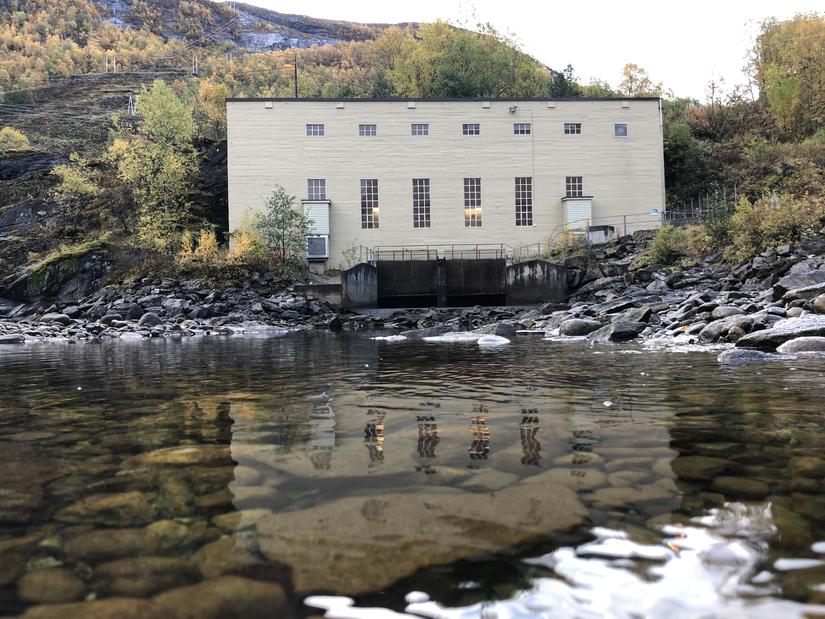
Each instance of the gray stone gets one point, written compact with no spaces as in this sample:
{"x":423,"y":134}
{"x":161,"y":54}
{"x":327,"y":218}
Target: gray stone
{"x":819,"y":304}
{"x":783,"y":331}
{"x":634,"y":314}
{"x":724,"y":311}
{"x":56,"y":318}
{"x":718,"y":328}
{"x":618,"y":332}
{"x":108,"y":319}
{"x":794,"y":312}
{"x":578,"y":326}
{"x":698,"y":468}
{"x":150,"y":319}
{"x":12,"y":338}
{"x":802,"y":345}
{"x":504,"y":329}
{"x":799,"y":280}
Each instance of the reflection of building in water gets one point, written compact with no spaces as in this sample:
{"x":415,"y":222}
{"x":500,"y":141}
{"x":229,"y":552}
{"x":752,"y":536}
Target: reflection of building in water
{"x":321,"y":441}
{"x":479,"y":448}
{"x":528,"y":429}
{"x":427,"y":442}
{"x":374,"y":436}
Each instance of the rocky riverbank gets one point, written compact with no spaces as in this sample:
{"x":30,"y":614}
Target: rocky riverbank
{"x":616,"y":296}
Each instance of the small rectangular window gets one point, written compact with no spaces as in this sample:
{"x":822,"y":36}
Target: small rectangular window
{"x":620,"y":130}
{"x":524,"y":200}
{"x":472,"y":202}
{"x":316,"y":189}
{"x":471,"y":129}
{"x":367,"y":130}
{"x":315,"y":129}
{"x":420,"y":129}
{"x":573,"y":186}
{"x":421,"y":202}
{"x":369,"y":203}
{"x":522,"y":128}
{"x":572,"y":128}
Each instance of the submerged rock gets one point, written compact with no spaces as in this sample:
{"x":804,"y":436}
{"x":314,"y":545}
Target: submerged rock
{"x":619,"y":331}
{"x":185,"y":455}
{"x":125,"y":508}
{"x":51,"y":585}
{"x":228,"y":597}
{"x":743,"y":356}
{"x":110,"y":608}
{"x":326,"y":545}
{"x":420,"y":334}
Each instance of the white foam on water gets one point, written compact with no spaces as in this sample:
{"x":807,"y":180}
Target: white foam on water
{"x":493,"y":340}
{"x":390,"y":338}
{"x":706,"y":568}
{"x":455,"y":337}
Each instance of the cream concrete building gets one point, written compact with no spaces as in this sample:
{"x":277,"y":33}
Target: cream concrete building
{"x":413,"y":172}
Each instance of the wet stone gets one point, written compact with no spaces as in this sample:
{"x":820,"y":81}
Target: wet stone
{"x":126,"y":508}
{"x":741,"y":487}
{"x":143,"y":576}
{"x":807,"y":466}
{"x":185,"y":455}
{"x":698,"y":468}
{"x":50,"y":586}
{"x":239,"y":520}
{"x":103,"y":544}
{"x":228,"y":597}
{"x":111,"y":608}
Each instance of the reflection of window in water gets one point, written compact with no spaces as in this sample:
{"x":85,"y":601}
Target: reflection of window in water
{"x":374,"y":436}
{"x":321,"y":441}
{"x":427,"y":442}
{"x":530,"y":445}
{"x":479,"y":448}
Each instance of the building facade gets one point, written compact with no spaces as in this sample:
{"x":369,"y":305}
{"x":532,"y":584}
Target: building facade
{"x":406,"y":173}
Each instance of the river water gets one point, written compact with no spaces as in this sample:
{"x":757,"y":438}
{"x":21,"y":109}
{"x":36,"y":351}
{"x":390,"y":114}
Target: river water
{"x":378,"y":479}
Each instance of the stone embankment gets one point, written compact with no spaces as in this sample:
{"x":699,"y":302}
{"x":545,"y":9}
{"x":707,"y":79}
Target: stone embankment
{"x":762,"y":305}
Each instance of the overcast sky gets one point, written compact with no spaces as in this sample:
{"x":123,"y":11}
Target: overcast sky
{"x":682,"y":44}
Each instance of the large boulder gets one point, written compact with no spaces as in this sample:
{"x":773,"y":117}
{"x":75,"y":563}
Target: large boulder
{"x":719,"y":328}
{"x":150,"y":319}
{"x":802,"y":345}
{"x":56,"y":318}
{"x":745,"y":356}
{"x":364,"y":543}
{"x":784,"y":331}
{"x":798,"y":280}
{"x":620,"y":331}
{"x":725,"y":311}
{"x":578,"y":326}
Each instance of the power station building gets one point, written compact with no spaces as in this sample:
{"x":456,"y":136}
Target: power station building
{"x":401,"y":174}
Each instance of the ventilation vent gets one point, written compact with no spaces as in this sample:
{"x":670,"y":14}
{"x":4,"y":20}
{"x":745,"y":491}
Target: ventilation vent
{"x":318,"y":247}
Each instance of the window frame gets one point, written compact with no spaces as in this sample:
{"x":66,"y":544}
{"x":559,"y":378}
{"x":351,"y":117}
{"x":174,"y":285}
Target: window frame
{"x":315,"y":129}
{"x":572,"y":128}
{"x":370,"y":210}
{"x":367,"y":130}
{"x":313,"y":185}
{"x":421,"y":203}
{"x":419,"y":126}
{"x":472,"y":202}
{"x":524,"y":201}
{"x":519,"y":128}
{"x":573,"y":186}
{"x":626,"y":130}
{"x":471,"y":129}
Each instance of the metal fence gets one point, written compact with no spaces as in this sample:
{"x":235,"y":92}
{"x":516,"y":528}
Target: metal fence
{"x":456,"y":251}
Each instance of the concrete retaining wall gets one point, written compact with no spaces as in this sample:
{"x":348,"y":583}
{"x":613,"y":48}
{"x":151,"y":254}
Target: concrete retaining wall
{"x":536,"y":281}
{"x":359,"y":286}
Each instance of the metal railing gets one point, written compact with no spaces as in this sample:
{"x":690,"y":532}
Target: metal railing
{"x":358,"y":254}
{"x":456,"y":251}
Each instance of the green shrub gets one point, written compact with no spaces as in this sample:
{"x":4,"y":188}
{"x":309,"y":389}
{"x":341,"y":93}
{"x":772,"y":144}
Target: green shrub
{"x":757,"y":226}
{"x":668,"y":246}
{"x":12,"y":140}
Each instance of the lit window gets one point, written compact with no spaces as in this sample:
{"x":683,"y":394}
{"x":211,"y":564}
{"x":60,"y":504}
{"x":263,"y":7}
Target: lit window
{"x":420,"y":129}
{"x":369,"y":202}
{"x":620,"y":130}
{"x":315,"y":129}
{"x":367,"y":130}
{"x":316,"y":189}
{"x":573,"y":186}
{"x":524,"y":201}
{"x":421,"y":202}
{"x":471,"y":129}
{"x":522,"y":128}
{"x":472,"y":202}
{"x":572,"y":128}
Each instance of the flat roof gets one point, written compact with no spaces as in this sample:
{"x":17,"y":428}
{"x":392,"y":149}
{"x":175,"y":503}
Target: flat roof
{"x":430,"y":100}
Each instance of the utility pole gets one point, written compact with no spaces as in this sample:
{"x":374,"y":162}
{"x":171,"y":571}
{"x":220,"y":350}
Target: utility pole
{"x":295,"y":70}
{"x":194,"y":65}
